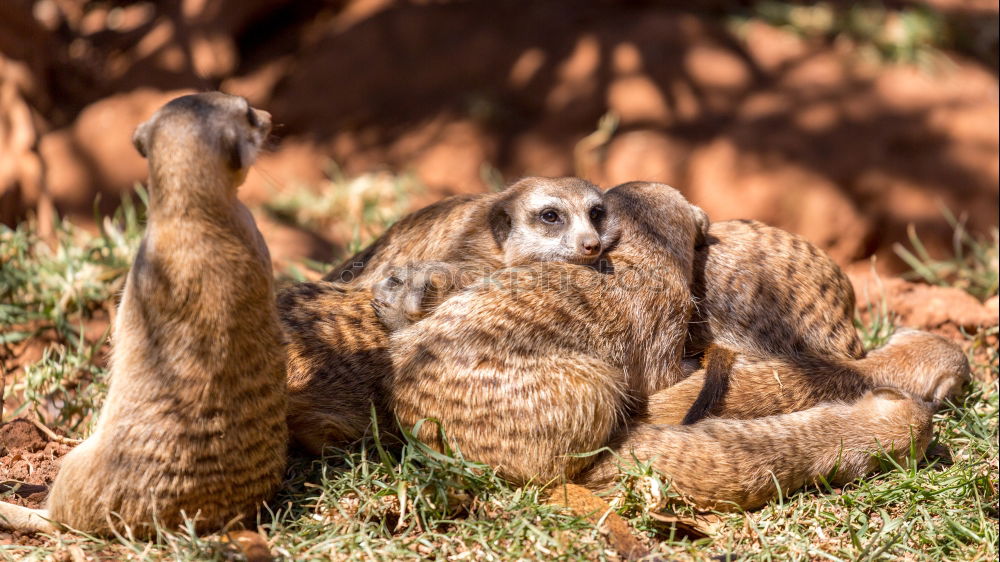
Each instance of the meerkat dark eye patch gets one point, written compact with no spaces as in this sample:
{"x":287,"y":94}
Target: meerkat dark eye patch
{"x":500,"y":221}
{"x":596,"y":213}
{"x":252,"y":117}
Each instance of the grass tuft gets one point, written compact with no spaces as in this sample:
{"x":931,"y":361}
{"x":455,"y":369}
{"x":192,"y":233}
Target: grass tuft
{"x":368,"y":204}
{"x":972,"y":267}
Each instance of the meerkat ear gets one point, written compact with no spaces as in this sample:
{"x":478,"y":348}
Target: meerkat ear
{"x":701,"y":226}
{"x":140,"y":139}
{"x":500,"y":221}
{"x":233,"y":149}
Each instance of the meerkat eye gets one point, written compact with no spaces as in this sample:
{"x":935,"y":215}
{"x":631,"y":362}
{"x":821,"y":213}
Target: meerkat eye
{"x":392,"y":282}
{"x":597,"y":213}
{"x":549,"y":216}
{"x":252,"y":117}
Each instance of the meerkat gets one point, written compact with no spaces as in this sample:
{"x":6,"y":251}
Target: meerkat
{"x":534,"y":220}
{"x":193,"y":424}
{"x":750,"y":277}
{"x":337,"y":348}
{"x":542,"y":361}
{"x":765,"y":292}
{"x":770,"y":301}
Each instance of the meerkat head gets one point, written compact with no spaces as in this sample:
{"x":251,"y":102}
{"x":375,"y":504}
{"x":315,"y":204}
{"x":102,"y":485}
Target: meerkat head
{"x":552,"y":219}
{"x":413,"y":291}
{"x":659,"y":214}
{"x":211,"y":131}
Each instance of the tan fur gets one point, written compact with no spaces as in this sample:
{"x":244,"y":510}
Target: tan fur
{"x":922,"y":364}
{"x":567,"y":347}
{"x":729,"y":464}
{"x":337,"y":346}
{"x":337,"y":360}
{"x":489,"y":231}
{"x":191,"y":424}
{"x":765,"y":292}
{"x":784,"y":312}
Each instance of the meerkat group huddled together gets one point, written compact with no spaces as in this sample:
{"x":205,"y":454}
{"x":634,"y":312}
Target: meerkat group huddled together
{"x":534,"y":325}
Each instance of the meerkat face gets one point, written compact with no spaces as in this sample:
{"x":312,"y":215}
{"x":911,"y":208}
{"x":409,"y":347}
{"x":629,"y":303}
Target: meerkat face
{"x":218,"y":124}
{"x":552,"y":219}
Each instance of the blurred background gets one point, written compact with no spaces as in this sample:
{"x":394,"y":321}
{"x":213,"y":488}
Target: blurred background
{"x":843,"y":121}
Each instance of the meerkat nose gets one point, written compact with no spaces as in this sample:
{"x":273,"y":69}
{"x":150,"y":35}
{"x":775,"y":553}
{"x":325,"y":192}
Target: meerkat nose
{"x":590,"y":246}
{"x":264,"y":117}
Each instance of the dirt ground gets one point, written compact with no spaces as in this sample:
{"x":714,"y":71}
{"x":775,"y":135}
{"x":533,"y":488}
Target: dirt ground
{"x":750,"y":118}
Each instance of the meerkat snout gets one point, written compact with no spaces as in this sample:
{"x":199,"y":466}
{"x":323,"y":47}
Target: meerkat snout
{"x":590,"y":245}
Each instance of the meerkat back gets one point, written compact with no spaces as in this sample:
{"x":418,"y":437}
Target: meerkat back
{"x":765,"y":291}
{"x":194,"y":421}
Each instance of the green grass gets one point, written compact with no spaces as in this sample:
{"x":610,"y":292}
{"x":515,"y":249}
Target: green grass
{"x":366,"y":205}
{"x":408,"y":502}
{"x":49,"y":293}
{"x":972,"y":265}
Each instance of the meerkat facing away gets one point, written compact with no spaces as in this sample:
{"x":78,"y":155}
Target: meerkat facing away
{"x":194,"y":419}
{"x":534,"y":220}
{"x":767,"y":293}
{"x":539,"y":362}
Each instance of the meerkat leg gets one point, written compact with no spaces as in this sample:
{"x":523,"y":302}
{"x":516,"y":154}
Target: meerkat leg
{"x":26,"y":520}
{"x":923,"y":364}
{"x":918,"y":362}
{"x":742,"y":464}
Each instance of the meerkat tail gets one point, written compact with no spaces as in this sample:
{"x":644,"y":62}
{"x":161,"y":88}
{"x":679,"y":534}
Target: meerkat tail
{"x":24,"y":519}
{"x":718,"y":368}
{"x":742,"y":464}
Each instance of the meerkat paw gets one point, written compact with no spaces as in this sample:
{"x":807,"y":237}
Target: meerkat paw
{"x":924,"y":364}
